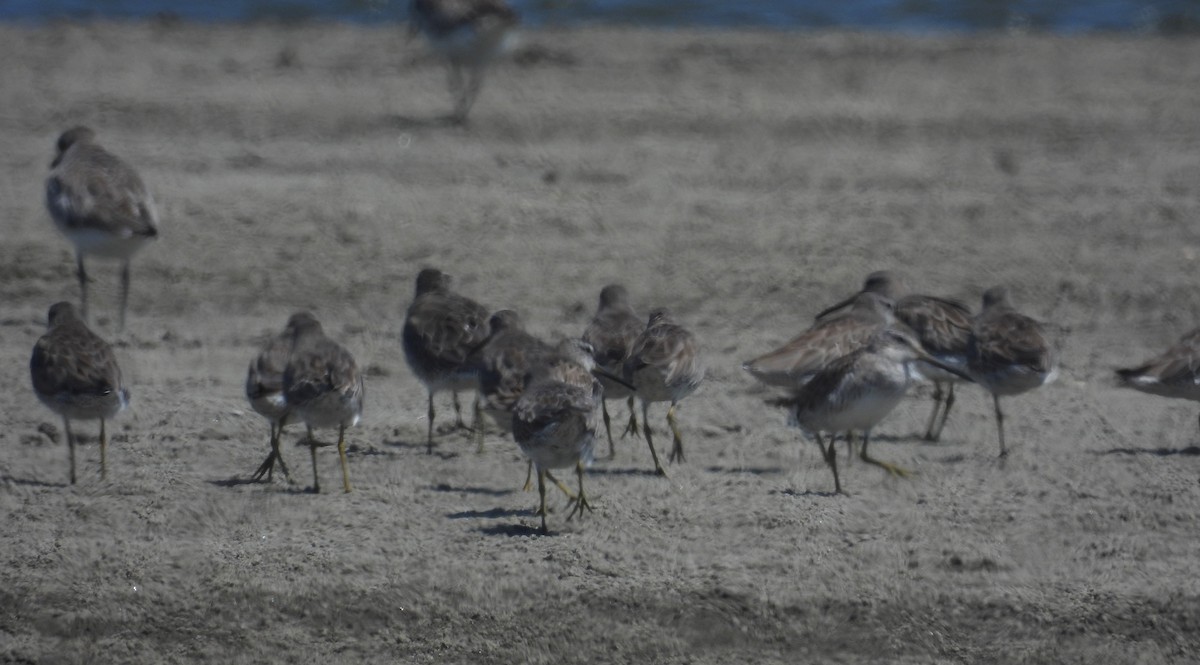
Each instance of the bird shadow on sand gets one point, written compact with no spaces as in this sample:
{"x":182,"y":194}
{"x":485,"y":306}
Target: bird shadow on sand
{"x":625,"y":471}
{"x":744,"y":470}
{"x":492,"y":513}
{"x":1157,"y":452}
{"x":236,"y":481}
{"x":421,"y":447}
{"x":30,"y":482}
{"x":512,"y":530}
{"x":485,"y":491}
{"x":813,"y":493}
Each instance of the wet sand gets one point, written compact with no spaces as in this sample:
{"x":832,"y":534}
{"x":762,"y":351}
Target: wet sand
{"x":746,"y":179}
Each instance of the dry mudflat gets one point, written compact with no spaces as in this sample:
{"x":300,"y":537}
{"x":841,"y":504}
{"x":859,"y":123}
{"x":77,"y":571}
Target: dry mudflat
{"x":747,"y":179}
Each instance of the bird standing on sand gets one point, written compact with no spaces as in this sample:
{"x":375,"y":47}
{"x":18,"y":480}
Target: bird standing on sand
{"x":1174,"y":373}
{"x":441,"y":329}
{"x":856,"y":391}
{"x":1008,"y":352}
{"x":664,"y":364}
{"x":470,"y":34}
{"x":100,"y":203}
{"x":264,"y":391}
{"x":502,"y":364}
{"x":322,"y":385}
{"x":942,"y":325}
{"x":554,"y":421}
{"x":612,"y":333}
{"x":75,"y":373}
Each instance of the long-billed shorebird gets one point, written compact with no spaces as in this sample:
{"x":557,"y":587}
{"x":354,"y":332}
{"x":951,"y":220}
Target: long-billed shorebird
{"x":1008,"y":352}
{"x":856,"y":391}
{"x":470,"y":34}
{"x":612,"y":333}
{"x":441,"y":329}
{"x":831,"y":337}
{"x":664,"y":365}
{"x":942,"y":325}
{"x":502,"y":364}
{"x":554,"y":421}
{"x":101,"y":204}
{"x":1174,"y":373}
{"x":322,"y":385}
{"x":75,"y":373}
{"x":264,"y":391}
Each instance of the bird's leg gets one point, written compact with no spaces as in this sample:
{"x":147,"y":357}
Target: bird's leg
{"x":890,"y":468}
{"x":542,"y":499}
{"x":937,"y":404}
{"x":677,"y":447}
{"x":429,"y":434}
{"x":83,"y":280}
{"x":649,"y":440}
{"x":565,"y":490}
{"x":528,"y":477}
{"x":477,"y":426}
{"x":849,"y":446}
{"x":1000,"y":425}
{"x":945,"y":413}
{"x":103,"y":452}
{"x":632,"y":427}
{"x":458,"y":421}
{"x":124,"y":292}
{"x":342,"y":454}
{"x":70,"y":446}
{"x":275,"y":445}
{"x":312,"y":448}
{"x":612,"y":451}
{"x":267,"y":468}
{"x":830,"y":457}
{"x":582,"y":503}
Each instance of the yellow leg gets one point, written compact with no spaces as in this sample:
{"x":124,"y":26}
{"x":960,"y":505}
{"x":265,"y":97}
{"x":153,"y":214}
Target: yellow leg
{"x":581,"y":503}
{"x":565,"y":490}
{"x":70,"y":445}
{"x":890,"y":468}
{"x":830,"y":457}
{"x":677,"y":447}
{"x":528,"y":478}
{"x":312,"y":449}
{"x":342,"y":455}
{"x":103,"y":452}
{"x":542,"y":499}
{"x":429,"y":414}
{"x":612,"y":451}
{"x":1000,"y":425}
{"x":658,"y":469}
{"x":632,"y":427}
{"x":477,"y":426}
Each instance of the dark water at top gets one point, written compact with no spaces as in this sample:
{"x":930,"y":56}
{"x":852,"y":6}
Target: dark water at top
{"x":1059,"y":16}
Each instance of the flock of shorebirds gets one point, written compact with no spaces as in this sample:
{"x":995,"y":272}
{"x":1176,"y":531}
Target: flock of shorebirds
{"x":841,"y":376}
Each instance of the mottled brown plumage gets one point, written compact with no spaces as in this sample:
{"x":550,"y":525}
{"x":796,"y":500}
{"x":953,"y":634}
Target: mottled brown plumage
{"x":1008,"y":352}
{"x":664,"y":365}
{"x":441,"y":329}
{"x":101,"y":204}
{"x":612,"y":333}
{"x":502,"y":364}
{"x":75,"y":373}
{"x":1174,"y":373}
{"x":323,"y":386}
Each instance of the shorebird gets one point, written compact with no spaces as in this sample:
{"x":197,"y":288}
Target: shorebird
{"x":470,"y":34}
{"x":856,"y":391}
{"x":441,"y":329}
{"x":101,"y":204}
{"x":832,"y":336}
{"x":942,"y":325}
{"x":664,"y":364}
{"x":1175,"y":373}
{"x":502,"y":364}
{"x":264,"y":391}
{"x":611,"y":333}
{"x":554,"y":421}
{"x":75,"y":373}
{"x":322,"y":385}
{"x":1008,"y":352}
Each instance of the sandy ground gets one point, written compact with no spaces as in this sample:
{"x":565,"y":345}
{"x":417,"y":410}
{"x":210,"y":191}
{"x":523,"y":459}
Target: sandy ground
{"x":746,"y":179}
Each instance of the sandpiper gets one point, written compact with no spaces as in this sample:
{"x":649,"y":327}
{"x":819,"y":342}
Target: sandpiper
{"x":611,"y":333}
{"x":441,"y":329}
{"x":1174,"y":373}
{"x":502,"y":364}
{"x":554,"y":421}
{"x":1007,"y":352}
{"x":942,"y":325}
{"x":101,"y":204}
{"x":264,"y":391}
{"x":470,"y":34}
{"x":664,"y":364}
{"x":856,"y":391}
{"x":322,"y":385}
{"x":75,"y":373}
{"x":831,"y":337}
